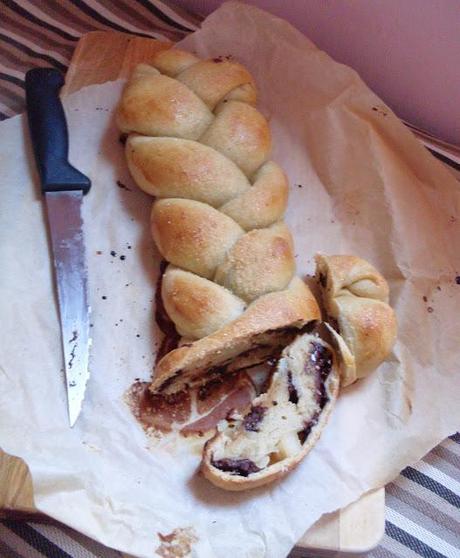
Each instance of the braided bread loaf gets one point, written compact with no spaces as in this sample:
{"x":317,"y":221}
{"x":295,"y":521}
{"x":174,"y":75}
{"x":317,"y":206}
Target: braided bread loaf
{"x":196,"y":143}
{"x":217,"y":217}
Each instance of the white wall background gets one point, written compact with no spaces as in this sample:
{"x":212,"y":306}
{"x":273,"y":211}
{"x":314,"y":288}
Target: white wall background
{"x":407,"y":51}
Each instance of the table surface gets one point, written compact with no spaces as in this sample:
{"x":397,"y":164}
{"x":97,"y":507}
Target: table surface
{"x":422,"y":504}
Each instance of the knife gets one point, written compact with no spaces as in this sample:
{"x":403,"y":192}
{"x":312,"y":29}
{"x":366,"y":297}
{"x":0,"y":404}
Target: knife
{"x":63,"y":187}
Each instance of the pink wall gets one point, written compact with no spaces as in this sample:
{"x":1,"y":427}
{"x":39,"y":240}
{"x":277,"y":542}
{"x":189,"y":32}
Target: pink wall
{"x":407,"y":51}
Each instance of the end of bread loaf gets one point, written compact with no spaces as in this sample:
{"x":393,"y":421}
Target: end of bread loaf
{"x":269,"y":323}
{"x":282,"y":424}
{"x":355,"y":297}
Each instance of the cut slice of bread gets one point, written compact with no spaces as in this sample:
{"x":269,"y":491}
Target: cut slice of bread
{"x":282,"y":425}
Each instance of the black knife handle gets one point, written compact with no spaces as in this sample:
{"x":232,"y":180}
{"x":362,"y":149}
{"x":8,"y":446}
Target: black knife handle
{"x":48,"y":130}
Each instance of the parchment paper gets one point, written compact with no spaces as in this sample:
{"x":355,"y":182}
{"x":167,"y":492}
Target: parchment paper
{"x":360,"y":183}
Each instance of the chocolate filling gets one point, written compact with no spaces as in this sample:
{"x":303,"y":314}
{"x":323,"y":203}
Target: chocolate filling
{"x":157,"y":411}
{"x":319,"y":365}
{"x":265,"y":351}
{"x":212,"y":384}
{"x":303,"y":434}
{"x":293,"y":395}
{"x":333,"y":323}
{"x":322,"y":280}
{"x":253,"y":418}
{"x":241,"y":467}
{"x":321,"y":358}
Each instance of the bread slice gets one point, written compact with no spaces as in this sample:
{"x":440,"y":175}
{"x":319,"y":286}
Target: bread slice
{"x":282,"y":424}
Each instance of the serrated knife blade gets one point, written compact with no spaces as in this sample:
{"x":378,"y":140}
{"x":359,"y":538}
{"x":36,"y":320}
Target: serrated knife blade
{"x":64,"y":188}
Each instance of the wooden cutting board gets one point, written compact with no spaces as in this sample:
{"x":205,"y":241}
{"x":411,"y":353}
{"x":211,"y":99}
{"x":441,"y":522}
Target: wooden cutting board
{"x":101,"y":57}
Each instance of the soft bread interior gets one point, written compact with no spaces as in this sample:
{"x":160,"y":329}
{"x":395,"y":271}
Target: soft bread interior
{"x":281,"y":424}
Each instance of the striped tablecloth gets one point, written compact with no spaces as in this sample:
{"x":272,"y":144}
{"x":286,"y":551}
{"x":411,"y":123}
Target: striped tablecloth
{"x":422,"y":504}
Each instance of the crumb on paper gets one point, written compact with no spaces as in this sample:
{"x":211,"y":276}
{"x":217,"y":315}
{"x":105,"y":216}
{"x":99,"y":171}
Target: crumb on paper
{"x":177,"y":544}
{"x":219,"y":59}
{"x":425,"y":299}
{"x":380,"y":110}
{"x":430,"y":309}
{"x":91,"y":447}
{"x":123,"y":186}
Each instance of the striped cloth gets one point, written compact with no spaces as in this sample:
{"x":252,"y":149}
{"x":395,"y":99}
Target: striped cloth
{"x":423,"y":503}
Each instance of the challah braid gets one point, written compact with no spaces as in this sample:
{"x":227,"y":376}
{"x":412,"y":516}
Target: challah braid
{"x":199,"y":146}
{"x":217,"y":218}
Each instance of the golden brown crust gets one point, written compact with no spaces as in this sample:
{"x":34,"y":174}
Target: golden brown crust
{"x":262,"y":204}
{"x":355,"y":296}
{"x":351,"y":275}
{"x":260,"y":262}
{"x":149,"y":106}
{"x":178,"y":168}
{"x":197,"y":306}
{"x":368,"y":327}
{"x":173,"y":61}
{"x":212,"y":80}
{"x":240,"y":133}
{"x":193,"y":235}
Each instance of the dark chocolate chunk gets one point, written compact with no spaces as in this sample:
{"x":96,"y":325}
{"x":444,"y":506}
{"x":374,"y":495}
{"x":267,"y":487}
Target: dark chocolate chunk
{"x":293,"y":395}
{"x":321,"y":362}
{"x":321,"y":357}
{"x":222,"y":58}
{"x":242,"y":467}
{"x":303,"y":434}
{"x":253,"y":418}
{"x":334,"y":324}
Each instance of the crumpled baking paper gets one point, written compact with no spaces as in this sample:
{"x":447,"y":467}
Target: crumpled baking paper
{"x":360,"y":184}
